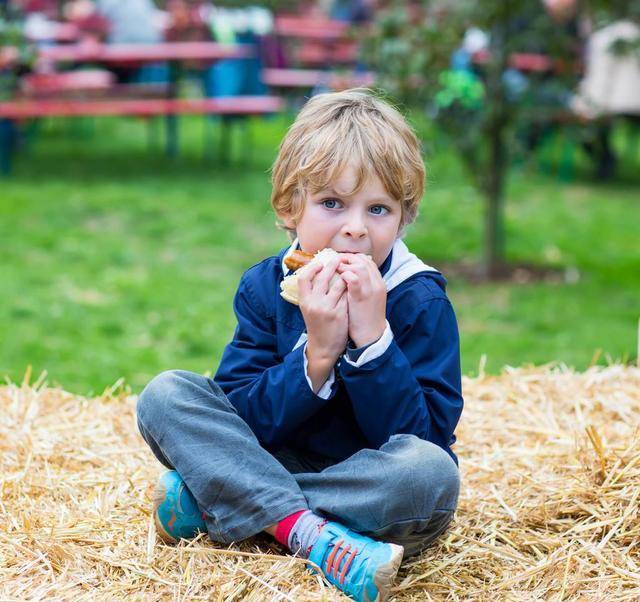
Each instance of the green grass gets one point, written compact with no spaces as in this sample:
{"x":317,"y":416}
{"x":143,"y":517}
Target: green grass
{"x":116,"y":262}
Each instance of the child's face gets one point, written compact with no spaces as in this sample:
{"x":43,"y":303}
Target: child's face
{"x":366,"y":222}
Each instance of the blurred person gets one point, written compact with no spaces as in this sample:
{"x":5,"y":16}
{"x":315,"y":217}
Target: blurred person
{"x":233,"y":77}
{"x":134,"y":22}
{"x":93,"y":26}
{"x":131,"y":22}
{"x":611,"y":82}
{"x":562,"y":10}
{"x":188,"y":21}
{"x":610,"y":87}
{"x":330,"y":420}
{"x":560,"y":22}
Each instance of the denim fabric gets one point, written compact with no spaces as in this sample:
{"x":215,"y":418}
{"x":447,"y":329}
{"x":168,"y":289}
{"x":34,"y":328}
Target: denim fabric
{"x":405,"y":492}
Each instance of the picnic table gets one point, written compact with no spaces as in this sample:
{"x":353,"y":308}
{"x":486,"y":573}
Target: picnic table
{"x":527,"y":61}
{"x":319,"y":42}
{"x":310,"y":78}
{"x":137,"y":54}
{"x":310,"y":28}
{"x":316,"y":45}
{"x":175,"y":53}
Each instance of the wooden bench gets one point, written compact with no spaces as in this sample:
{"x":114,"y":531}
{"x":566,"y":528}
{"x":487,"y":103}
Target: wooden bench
{"x":310,"y":78}
{"x":310,"y":27}
{"x":318,"y":54}
{"x":317,"y":42}
{"x":230,"y":105}
{"x":43,"y":85}
{"x":86,"y":84}
{"x":19,"y":110}
{"x":530,"y":62}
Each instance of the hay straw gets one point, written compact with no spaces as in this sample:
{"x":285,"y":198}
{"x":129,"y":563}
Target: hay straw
{"x":550,"y":462}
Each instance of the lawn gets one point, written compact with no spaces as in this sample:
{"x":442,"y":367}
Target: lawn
{"x":116,"y":262}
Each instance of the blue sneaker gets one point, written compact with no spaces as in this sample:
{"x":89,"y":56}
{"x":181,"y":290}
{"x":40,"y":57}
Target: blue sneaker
{"x":360,"y":566}
{"x":176,"y":512}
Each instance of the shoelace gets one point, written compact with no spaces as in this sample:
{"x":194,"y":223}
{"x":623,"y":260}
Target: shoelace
{"x":334,"y":566}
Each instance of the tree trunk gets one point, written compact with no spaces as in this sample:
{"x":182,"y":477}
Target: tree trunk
{"x":494,"y":199}
{"x":496,"y":128}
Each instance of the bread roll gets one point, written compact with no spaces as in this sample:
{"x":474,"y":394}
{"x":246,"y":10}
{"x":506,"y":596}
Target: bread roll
{"x":289,"y":285}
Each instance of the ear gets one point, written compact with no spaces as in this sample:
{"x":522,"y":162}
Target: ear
{"x":288,"y":221}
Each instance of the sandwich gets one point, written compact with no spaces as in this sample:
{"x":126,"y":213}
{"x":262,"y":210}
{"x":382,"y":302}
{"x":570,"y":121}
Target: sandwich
{"x":297,"y":261}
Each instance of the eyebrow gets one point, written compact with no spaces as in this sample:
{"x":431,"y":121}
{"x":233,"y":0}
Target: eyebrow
{"x":384,"y":199}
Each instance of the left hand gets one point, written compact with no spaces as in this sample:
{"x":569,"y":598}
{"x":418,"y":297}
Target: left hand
{"x":366,"y":297}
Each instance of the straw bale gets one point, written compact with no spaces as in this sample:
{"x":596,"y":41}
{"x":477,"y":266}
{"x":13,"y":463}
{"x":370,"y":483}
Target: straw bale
{"x":550,"y":463}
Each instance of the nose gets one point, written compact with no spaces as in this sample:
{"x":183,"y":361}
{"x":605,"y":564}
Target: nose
{"x":355,"y":226}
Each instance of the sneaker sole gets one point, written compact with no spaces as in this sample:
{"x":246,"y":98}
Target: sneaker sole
{"x":159,"y":495}
{"x":387,"y":573}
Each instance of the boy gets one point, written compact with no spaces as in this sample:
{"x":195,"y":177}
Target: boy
{"x":327,"y":424}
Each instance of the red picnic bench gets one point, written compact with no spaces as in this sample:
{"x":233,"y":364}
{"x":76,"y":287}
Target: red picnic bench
{"x":317,"y":42}
{"x":40,"y":85}
{"x":310,"y":78}
{"x":85,"y":84}
{"x":529,"y":62}
{"x":83,"y":93}
{"x":310,"y":27}
{"x":318,"y":54}
{"x":96,"y":52}
{"x":229,"y":105}
{"x":19,"y":110}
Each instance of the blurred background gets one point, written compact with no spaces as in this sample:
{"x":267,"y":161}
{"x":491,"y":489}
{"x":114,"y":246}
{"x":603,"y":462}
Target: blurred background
{"x":136,"y":139}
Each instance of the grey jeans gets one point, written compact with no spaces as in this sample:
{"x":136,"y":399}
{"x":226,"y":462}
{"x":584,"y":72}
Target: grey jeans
{"x":405,"y":492}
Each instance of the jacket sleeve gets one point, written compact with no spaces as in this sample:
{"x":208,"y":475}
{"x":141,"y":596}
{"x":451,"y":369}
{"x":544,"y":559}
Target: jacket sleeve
{"x":270,"y":393}
{"x":415,"y":385}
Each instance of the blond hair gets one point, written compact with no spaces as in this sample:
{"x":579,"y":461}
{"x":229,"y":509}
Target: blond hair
{"x":338,"y":128}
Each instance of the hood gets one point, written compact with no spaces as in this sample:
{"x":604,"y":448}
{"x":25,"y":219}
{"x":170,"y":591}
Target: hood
{"x":398,"y":267}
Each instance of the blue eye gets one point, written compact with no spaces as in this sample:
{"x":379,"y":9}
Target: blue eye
{"x":333,"y":203}
{"x":382,"y":207}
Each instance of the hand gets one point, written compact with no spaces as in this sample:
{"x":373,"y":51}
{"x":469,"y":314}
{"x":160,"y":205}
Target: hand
{"x":366,"y":297}
{"x":324,"y":309}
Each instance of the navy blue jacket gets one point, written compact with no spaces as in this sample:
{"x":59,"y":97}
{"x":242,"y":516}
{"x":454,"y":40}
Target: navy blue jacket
{"x":408,"y":382}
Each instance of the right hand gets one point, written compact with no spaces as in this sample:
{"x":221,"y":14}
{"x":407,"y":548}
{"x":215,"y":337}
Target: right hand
{"x":325,"y":311}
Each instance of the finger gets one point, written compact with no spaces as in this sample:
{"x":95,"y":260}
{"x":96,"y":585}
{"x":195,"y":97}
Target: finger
{"x":365,"y":267}
{"x":358,"y":286}
{"x":321,"y":281}
{"x":356,"y":269}
{"x":336,"y":291}
{"x":368,"y":259}
{"x":374,"y":271}
{"x":342,"y":306}
{"x":353,"y":281}
{"x":308,"y":270}
{"x":361,"y":272}
{"x":304,"y":279}
{"x":353,"y":258}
